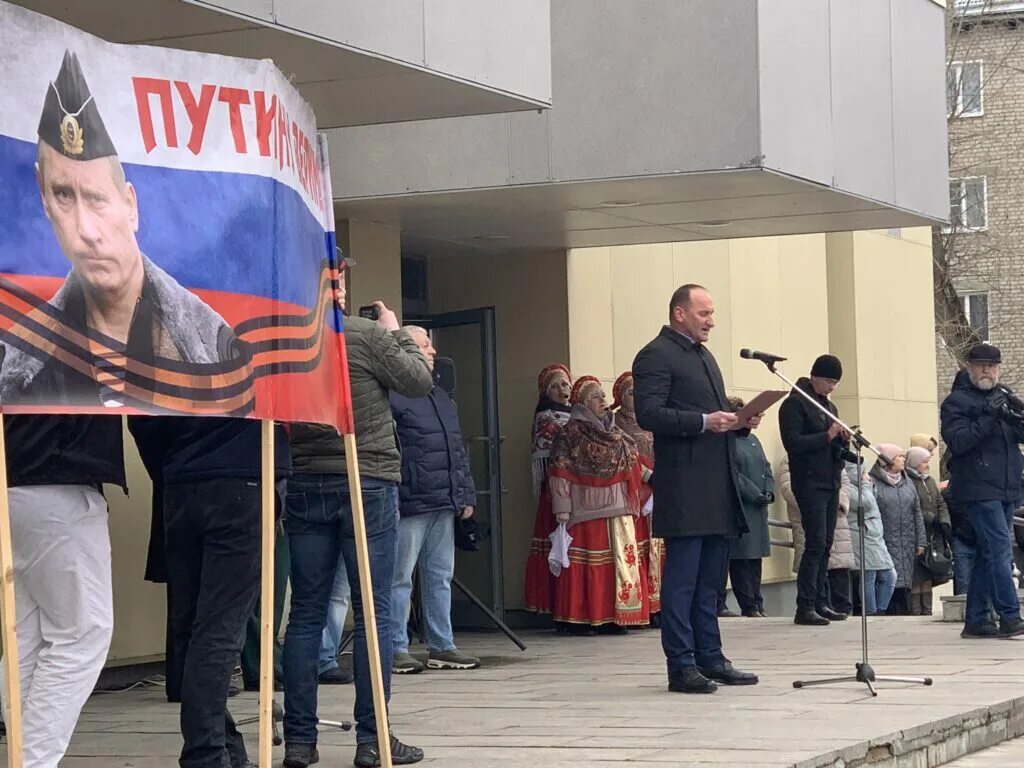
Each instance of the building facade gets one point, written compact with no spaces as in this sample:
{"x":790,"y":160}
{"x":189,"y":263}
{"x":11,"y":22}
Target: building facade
{"x":983,"y":244}
{"x":788,"y":154}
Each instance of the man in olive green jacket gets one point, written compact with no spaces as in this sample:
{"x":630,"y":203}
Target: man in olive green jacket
{"x":318,"y":519}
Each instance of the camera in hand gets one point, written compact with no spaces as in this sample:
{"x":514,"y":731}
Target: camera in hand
{"x":371,"y":312}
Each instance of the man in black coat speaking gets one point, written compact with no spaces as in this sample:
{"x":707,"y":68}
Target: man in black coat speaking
{"x":680,"y":397}
{"x":816,"y":447}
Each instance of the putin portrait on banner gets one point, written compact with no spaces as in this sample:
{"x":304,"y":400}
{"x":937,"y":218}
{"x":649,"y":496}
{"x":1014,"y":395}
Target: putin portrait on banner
{"x":117,"y":315}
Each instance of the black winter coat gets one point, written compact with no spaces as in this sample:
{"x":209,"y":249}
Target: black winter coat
{"x":985,"y":463}
{"x":64,"y":450}
{"x":675,"y":383}
{"x":436,"y":476}
{"x":815,"y":462}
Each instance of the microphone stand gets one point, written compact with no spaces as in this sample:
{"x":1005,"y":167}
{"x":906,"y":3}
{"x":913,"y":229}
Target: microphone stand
{"x":865,"y":673}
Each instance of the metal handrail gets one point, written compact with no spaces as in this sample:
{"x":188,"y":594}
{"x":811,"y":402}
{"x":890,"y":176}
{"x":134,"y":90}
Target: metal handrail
{"x":780,"y":524}
{"x":1018,"y":521}
{"x":785,"y":544}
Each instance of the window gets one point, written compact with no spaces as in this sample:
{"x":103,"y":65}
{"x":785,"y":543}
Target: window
{"x":976,"y":309}
{"x":963,"y":89}
{"x":968,"y":204}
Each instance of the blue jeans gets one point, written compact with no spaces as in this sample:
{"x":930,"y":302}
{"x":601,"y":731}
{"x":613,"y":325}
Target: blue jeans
{"x":318,"y":520}
{"x":337,"y":610}
{"x":992,"y":575}
{"x":689,"y":597}
{"x":878,"y":589}
{"x":430,"y":541}
{"x":963,"y":563}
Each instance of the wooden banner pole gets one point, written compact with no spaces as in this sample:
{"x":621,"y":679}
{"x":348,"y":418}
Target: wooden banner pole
{"x":12,"y":682}
{"x":267,"y":638}
{"x":369,"y":611}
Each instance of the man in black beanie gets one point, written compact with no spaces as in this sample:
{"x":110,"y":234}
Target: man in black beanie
{"x":815,"y":445}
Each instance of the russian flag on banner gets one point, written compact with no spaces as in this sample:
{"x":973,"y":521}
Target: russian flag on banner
{"x":166,"y":234}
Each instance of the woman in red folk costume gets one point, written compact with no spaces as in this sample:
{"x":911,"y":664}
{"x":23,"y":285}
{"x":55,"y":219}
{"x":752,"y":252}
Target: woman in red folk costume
{"x":652,"y":551}
{"x":552,"y":413}
{"x":597,"y":484}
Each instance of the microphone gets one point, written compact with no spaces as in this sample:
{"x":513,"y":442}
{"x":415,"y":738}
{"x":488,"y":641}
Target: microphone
{"x":1015,"y":402}
{"x":765,"y":357}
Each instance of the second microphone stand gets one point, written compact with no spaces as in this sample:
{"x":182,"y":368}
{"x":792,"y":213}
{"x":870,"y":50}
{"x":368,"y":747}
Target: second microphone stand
{"x":864,"y":673}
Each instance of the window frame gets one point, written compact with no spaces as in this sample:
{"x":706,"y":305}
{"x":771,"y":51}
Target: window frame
{"x":963,"y":197}
{"x":959,"y":113}
{"x":965,"y":303}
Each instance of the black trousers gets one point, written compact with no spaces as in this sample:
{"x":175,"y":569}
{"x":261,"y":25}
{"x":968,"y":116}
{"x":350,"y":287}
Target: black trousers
{"x":213,"y":557}
{"x":746,"y":585}
{"x":818,"y":511}
{"x":839,"y":587}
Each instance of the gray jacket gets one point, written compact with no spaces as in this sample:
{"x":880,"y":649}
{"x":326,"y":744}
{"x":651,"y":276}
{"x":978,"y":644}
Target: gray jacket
{"x":379,"y":362}
{"x":902,"y":523}
{"x":876,"y":554}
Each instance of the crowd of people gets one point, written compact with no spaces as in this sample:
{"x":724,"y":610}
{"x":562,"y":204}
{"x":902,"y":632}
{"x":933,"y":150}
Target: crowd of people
{"x":646,"y":505}
{"x":594,"y":473}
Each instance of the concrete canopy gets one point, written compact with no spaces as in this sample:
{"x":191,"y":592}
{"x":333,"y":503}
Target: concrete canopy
{"x":678,"y":120}
{"x":357,"y":63}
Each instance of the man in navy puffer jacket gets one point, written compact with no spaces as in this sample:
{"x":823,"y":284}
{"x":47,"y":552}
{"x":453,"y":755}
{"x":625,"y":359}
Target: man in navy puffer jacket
{"x":985,"y":470}
{"x":437,"y":487}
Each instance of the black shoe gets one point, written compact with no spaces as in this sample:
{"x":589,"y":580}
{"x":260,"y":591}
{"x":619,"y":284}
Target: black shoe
{"x":250,"y":686}
{"x":690,"y":680}
{"x":726,"y":674}
{"x":233,"y":690}
{"x":336,"y":676}
{"x":832,"y":615}
{"x":612,"y":629}
{"x":368,"y":755}
{"x":982,"y":631}
{"x":655,"y":621}
{"x":808,"y":617}
{"x":1012,"y":628}
{"x":300,"y":755}
{"x":725,"y":613}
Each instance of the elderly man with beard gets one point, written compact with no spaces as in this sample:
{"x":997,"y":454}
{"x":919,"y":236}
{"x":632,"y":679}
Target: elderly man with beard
{"x":985,"y":473}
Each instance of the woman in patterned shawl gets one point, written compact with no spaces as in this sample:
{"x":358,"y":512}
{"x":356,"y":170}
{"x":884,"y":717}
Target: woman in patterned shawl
{"x":552,"y":413}
{"x":652,"y":551}
{"x":597,"y":484}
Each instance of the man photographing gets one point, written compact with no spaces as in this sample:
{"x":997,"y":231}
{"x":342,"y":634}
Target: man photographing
{"x":816,"y":446}
{"x":983,"y":426}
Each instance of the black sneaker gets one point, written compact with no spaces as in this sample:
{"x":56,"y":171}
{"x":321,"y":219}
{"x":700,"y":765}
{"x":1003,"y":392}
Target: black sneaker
{"x":300,"y":755}
{"x":981,"y":631}
{"x":1012,"y":628}
{"x":368,"y":755}
{"x":336,"y":676}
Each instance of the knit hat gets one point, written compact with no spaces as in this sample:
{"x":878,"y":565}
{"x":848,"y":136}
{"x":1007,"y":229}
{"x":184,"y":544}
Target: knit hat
{"x":583,"y":389}
{"x":984,"y":353}
{"x":619,"y":389}
{"x":918,"y":456}
{"x":889,"y":450}
{"x":545,"y":377}
{"x":923,"y":440}
{"x":827,"y":367}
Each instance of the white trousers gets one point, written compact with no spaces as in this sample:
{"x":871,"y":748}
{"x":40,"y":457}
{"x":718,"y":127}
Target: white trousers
{"x":65,"y":611}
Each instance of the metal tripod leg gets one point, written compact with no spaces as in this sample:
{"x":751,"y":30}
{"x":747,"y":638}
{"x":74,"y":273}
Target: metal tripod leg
{"x":490,"y":614}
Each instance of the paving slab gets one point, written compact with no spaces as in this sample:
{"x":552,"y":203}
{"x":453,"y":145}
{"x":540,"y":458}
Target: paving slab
{"x":602,"y":702}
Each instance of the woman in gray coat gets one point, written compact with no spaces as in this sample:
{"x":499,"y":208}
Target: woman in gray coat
{"x":879,"y":574}
{"x":757,"y":492}
{"x":902,"y":522}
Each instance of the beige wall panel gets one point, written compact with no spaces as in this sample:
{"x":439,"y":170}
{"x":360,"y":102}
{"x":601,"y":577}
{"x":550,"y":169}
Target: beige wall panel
{"x":139,"y":606}
{"x":753,"y":313}
{"x":591,"y":318}
{"x":641,"y":277}
{"x":377,"y":250}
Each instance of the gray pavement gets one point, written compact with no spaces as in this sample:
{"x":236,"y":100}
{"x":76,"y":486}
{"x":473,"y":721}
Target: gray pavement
{"x":1009,"y":753}
{"x":602,"y":702}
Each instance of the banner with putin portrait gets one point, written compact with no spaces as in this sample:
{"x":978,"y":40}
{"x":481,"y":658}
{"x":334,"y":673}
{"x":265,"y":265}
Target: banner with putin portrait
{"x":166,"y":234}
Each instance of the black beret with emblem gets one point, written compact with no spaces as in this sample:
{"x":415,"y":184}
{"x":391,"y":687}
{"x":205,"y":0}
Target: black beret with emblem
{"x":71,"y":122}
